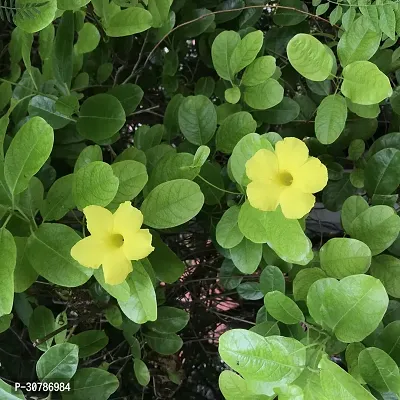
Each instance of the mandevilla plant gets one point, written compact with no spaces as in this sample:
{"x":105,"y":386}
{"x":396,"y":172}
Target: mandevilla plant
{"x":199,"y":199}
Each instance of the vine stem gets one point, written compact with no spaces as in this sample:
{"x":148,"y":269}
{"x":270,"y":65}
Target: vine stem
{"x":275,"y":7}
{"x":218,"y":188}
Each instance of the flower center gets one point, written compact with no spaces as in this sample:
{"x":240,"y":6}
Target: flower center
{"x":285,"y":178}
{"x":117,"y":240}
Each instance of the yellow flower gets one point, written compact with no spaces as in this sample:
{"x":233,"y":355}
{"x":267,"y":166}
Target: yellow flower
{"x":115,"y":240}
{"x":287,"y":178}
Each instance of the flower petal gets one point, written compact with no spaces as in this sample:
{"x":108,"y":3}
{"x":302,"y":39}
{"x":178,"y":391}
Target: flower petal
{"x":116,"y":267}
{"x":295,"y":204}
{"x":127,"y":219}
{"x":263,"y":166}
{"x":292,"y":153}
{"x":311,"y":177}
{"x":99,"y":220}
{"x":264,"y":196}
{"x":89,"y":252}
{"x":138,"y":245}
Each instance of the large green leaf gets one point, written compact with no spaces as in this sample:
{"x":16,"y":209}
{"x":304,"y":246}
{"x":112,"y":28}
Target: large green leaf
{"x":365,"y":91}
{"x":8,"y":253}
{"x":358,"y":43}
{"x":382,"y":173}
{"x":270,"y":359}
{"x":387,"y":269}
{"x":341,"y":257}
{"x":8,"y":392}
{"x":141,"y":305}
{"x":303,"y":281}
{"x":259,"y":71}
{"x":41,"y":324}
{"x":51,"y":245}
{"x":129,"y":95}
{"x":43,"y":16}
{"x":169,"y":320}
{"x":227,"y":232}
{"x":246,"y":256}
{"x":264,"y":95}
{"x":246,"y":51}
{"x":89,"y":342}
{"x":309,"y":57}
{"x":197,"y":119}
{"x":172,"y":203}
{"x":283,"y":308}
{"x":87,"y":155}
{"x":58,"y":364}
{"x":128,"y":22}
{"x":352,"y":207}
{"x":29,"y":150}
{"x":331,"y":118}
{"x":389,"y":341}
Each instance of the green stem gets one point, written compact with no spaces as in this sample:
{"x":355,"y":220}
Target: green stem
{"x":6,"y":221}
{"x":218,"y":188}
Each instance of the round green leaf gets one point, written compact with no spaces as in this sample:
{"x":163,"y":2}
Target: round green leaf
{"x":101,"y":116}
{"x":246,"y":256}
{"x":163,"y":343}
{"x":303,"y":281}
{"x":228,"y":234}
{"x":352,"y":207}
{"x":89,"y":342}
{"x":389,"y":341}
{"x":272,"y":279}
{"x":284,"y":112}
{"x":169,"y":320}
{"x":341,"y":257}
{"x":365,"y":91}
{"x":129,"y":95}
{"x":94,"y":184}
{"x":387,"y":269}
{"x":33,"y":18}
{"x":259,"y":71}
{"x":128,"y":22}
{"x":266,"y":328}
{"x":282,"y":308}
{"x":249,"y":291}
{"x":88,"y":39}
{"x":88,"y":155}
{"x":197,"y":119}
{"x":265,"y":95}
{"x":51,"y":245}
{"x":172,"y":203}
{"x":41,"y":324}
{"x":58,"y":364}
{"x":222,"y":48}
{"x":309,"y":57}
{"x":141,"y":372}
{"x":356,"y":149}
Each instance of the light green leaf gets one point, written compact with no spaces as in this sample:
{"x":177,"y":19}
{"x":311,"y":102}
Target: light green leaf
{"x":197,"y":119}
{"x":201,"y":156}
{"x":303,"y":281}
{"x":141,"y":372}
{"x":29,"y":150}
{"x":246,"y":256}
{"x":265,"y":95}
{"x":89,"y":342}
{"x":246,"y":51}
{"x":272,"y":279}
{"x":352,"y":207}
{"x":129,"y":95}
{"x":388,"y":340}
{"x":309,"y":57}
{"x":259,"y":71}
{"x":172,"y":203}
{"x":341,"y":257}
{"x":120,"y":292}
{"x":71,"y":4}
{"x":371,"y":111}
{"x":358,"y":43}
{"x":387,"y":269}
{"x":159,"y":10}
{"x":228,"y":234}
{"x":87,"y":155}
{"x":101,"y":116}
{"x":8,"y":251}
{"x":58,"y":364}
{"x":94,"y":184}
{"x":51,"y":245}
{"x":365,"y":91}
{"x":232,"y":95}
{"x":128,"y":22}
{"x":41,"y":323}
{"x":271,"y":359}
{"x":88,"y":39}
{"x":266,"y":328}
{"x":163,"y":343}
{"x":331,"y":118}
{"x":141,"y":305}
{"x":24,"y":274}
{"x":40,"y":19}
{"x":233,"y":386}
{"x":282,"y":308}
{"x":169,"y":320}
{"x":387,"y":19}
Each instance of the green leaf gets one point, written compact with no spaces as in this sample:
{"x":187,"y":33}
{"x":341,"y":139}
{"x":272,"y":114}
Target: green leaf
{"x":5,"y":322}
{"x":303,"y":281}
{"x":322,"y":9}
{"x":284,"y":112}
{"x":388,"y":340}
{"x":128,"y":22}
{"x":270,"y":359}
{"x":146,"y":138}
{"x":358,"y":43}
{"x":309,"y":57}
{"x":163,"y":343}
{"x":58,"y":364}
{"x":365,"y":91}
{"x":94,"y":184}
{"x":283,"y":235}
{"x":382,"y":173}
{"x":377,"y":226}
{"x":232,"y":95}
{"x":246,"y":51}
{"x":289,"y":15}
{"x":387,"y":269}
{"x":5,"y":94}
{"x":141,"y":305}
{"x":51,"y":245}
{"x":282,"y":308}
{"x":39,"y":20}
{"x":29,"y":150}
{"x":259,"y":71}
{"x":266,"y":328}
{"x":71,"y":4}
{"x":101,"y":116}
{"x":330,"y":119}
{"x":353,"y":307}
{"x":92,"y":384}
{"x":353,"y":350}
{"x":379,"y":370}
{"x":336,"y":381}
{"x":272,"y":279}
{"x":205,"y":86}
{"x":336,"y":193}
{"x":265,"y":95}
{"x":233,"y":385}
{"x":201,"y":156}
{"x":89,"y":342}
{"x":159,"y":10}
{"x":132,"y":153}
{"x":169,"y":320}
{"x":229,"y":276}
{"x":250,"y":291}
{"x":8,"y":251}
{"x":120,"y":292}
{"x":371,"y":111}
{"x":41,"y":324}
{"x":141,"y":372}
{"x":356,"y":149}
{"x":104,"y":72}
{"x":172,"y":203}
{"x":197,"y":119}
{"x":87,"y":155}
{"x":387,"y":20}
{"x":228,"y":234}
{"x":352,"y":207}
{"x":129,"y":95}
{"x":246,"y":256}
{"x":24,"y":274}
{"x":341,"y":257}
